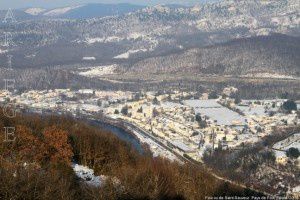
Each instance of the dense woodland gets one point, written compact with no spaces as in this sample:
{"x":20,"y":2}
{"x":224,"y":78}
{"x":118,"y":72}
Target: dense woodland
{"x":38,"y":165}
{"x":265,"y":54}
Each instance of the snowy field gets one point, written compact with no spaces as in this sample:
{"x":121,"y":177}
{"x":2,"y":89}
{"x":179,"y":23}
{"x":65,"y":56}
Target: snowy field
{"x":90,"y":108}
{"x":149,"y":38}
{"x":60,"y":11}
{"x":127,"y":54}
{"x":292,"y":141}
{"x":258,"y":110}
{"x":35,"y":11}
{"x":103,"y":39}
{"x":168,"y":104}
{"x":268,"y":75}
{"x":211,"y":103}
{"x":88,"y":58}
{"x":99,"y":71}
{"x":3,"y":51}
{"x":244,"y":138}
{"x":282,"y":146}
{"x":216,"y":112}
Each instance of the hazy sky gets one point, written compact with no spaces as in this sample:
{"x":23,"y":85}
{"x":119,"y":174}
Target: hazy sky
{"x":4,"y":4}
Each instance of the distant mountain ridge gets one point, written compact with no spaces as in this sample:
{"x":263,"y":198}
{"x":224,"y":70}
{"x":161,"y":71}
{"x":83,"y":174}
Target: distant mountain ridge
{"x":160,"y":31}
{"x":85,"y":11}
{"x":275,"y":56}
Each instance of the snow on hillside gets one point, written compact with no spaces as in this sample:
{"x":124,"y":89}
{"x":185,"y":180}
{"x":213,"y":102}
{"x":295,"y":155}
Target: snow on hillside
{"x":60,"y":11}
{"x":127,"y":54}
{"x":94,"y":40}
{"x":151,"y":40}
{"x":99,"y":71}
{"x":90,"y":108}
{"x":87,"y":175}
{"x":269,"y":75}
{"x":35,"y":11}
{"x":3,"y":51}
{"x":103,"y":39}
{"x":88,"y":58}
{"x":136,"y":35}
{"x":292,"y":141}
{"x":258,"y":110}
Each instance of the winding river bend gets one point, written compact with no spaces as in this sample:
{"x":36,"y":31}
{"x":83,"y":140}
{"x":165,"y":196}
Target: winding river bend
{"x":122,"y":134}
{"x":128,"y":137}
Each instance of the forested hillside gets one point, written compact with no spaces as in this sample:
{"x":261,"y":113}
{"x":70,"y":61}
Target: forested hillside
{"x":37,"y":165}
{"x":276,"y":54}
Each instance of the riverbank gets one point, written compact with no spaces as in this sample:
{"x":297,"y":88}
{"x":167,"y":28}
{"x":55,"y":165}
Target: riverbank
{"x":145,"y":137}
{"x":123,"y":133}
{"x":158,"y":147}
{"x":146,"y":141}
{"x":161,"y":146}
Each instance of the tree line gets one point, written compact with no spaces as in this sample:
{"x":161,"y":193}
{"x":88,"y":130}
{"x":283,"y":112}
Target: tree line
{"x":38,"y":165}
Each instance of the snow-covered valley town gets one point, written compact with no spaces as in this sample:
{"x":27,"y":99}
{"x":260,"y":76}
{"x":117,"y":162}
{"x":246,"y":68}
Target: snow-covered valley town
{"x":157,"y":100}
{"x":184,"y":126}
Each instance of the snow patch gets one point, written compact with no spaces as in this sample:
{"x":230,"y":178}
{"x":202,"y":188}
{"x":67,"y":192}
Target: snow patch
{"x":291,"y":142}
{"x":60,"y":11}
{"x":281,"y":147}
{"x":103,"y":39}
{"x":127,"y":54}
{"x":99,"y":71}
{"x":196,"y":9}
{"x":269,"y":75}
{"x":261,"y":31}
{"x":35,"y":11}
{"x":88,"y":58}
{"x":296,"y":189}
{"x":95,"y":40}
{"x":136,"y":35}
{"x":88,"y":176}
{"x":3,"y":51}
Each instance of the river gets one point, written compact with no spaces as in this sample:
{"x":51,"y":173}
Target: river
{"x":122,"y":134}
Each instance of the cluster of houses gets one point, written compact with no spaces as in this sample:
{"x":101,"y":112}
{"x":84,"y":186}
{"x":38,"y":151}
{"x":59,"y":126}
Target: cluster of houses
{"x":169,"y":118}
{"x":65,"y":100}
{"x":189,"y":126}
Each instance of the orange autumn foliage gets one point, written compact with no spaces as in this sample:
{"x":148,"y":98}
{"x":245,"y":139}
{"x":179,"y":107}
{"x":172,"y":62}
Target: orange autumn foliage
{"x":50,"y":146}
{"x":29,"y":147}
{"x":56,"y":145}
